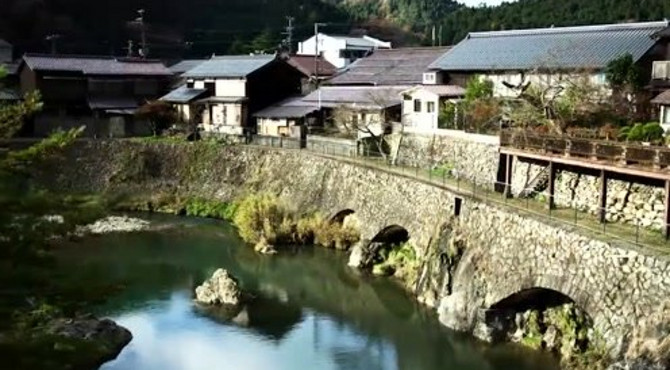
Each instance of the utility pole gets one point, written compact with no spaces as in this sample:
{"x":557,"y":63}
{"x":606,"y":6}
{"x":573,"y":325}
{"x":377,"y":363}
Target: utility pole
{"x":440,"y":35}
{"x":144,"y":51}
{"x":316,"y":58}
{"x":289,"y":34}
{"x":53,"y":39}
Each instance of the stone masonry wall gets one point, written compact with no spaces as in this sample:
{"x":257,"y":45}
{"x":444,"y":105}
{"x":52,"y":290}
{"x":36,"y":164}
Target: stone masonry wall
{"x":472,"y":157}
{"x":627,"y":202}
{"x":505,"y":253}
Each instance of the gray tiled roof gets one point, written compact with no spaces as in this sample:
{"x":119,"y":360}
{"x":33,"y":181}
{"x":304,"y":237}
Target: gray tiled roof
{"x":364,"y":97}
{"x":230,"y":66}
{"x":403,"y":66}
{"x":183,"y":94}
{"x":662,"y":98}
{"x":289,"y":108}
{"x":443,"y":90}
{"x":185,"y":65}
{"x":560,"y":47}
{"x":95,"y":65}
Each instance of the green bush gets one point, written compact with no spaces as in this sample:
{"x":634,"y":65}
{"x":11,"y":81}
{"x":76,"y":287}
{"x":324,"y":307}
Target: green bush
{"x":641,"y":132}
{"x":265,"y":216}
{"x":199,"y":207}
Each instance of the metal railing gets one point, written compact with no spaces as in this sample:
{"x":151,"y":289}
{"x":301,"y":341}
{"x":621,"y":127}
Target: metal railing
{"x":640,"y":231}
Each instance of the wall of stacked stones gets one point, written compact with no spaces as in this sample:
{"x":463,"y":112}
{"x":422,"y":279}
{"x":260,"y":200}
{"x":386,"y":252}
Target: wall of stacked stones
{"x":628,"y":202}
{"x":473,"y":157}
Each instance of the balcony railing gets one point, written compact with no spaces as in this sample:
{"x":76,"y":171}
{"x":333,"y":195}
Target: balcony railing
{"x":621,"y":153}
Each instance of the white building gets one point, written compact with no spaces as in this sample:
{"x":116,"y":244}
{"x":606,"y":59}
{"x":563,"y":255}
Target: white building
{"x":341,"y":50}
{"x":421,"y":105}
{"x":515,"y":58}
{"x":222,"y":93}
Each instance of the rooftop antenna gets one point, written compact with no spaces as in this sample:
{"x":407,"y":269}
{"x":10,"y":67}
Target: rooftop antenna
{"x":129,"y":48}
{"x":53,"y":39}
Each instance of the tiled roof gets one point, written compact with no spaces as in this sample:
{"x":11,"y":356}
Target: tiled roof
{"x":403,"y":66}
{"x":95,"y":65}
{"x":306,"y":65}
{"x":183,"y":94}
{"x":364,"y":97}
{"x":9,"y":95}
{"x":442,"y":90}
{"x":185,"y":65}
{"x":111,"y":102}
{"x":230,"y":66}
{"x":560,"y":47}
{"x":289,"y":108}
{"x":662,"y":98}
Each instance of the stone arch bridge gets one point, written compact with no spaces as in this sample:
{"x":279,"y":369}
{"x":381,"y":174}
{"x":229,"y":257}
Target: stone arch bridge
{"x":505,"y":253}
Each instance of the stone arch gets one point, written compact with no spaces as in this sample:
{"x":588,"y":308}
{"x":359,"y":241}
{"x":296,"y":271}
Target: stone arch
{"x":533,"y":284}
{"x":341,"y":215}
{"x":392,"y":234}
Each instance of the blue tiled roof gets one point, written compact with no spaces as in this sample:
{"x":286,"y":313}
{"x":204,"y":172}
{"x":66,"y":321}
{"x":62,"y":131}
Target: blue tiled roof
{"x":560,"y":47}
{"x":230,"y":66}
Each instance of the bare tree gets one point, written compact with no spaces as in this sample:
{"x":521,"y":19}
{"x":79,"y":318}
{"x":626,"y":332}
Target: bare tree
{"x":373,"y":120}
{"x":556,"y":100}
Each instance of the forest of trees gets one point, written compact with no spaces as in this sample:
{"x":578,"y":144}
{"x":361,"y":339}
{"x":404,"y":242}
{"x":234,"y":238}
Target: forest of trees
{"x":200,"y":27}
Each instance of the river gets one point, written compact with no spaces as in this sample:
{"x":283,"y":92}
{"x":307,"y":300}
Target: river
{"x":310,"y":311}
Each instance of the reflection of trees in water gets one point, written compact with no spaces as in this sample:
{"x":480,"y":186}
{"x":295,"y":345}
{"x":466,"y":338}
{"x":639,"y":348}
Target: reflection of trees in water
{"x":153,"y":265}
{"x":267,"y":317}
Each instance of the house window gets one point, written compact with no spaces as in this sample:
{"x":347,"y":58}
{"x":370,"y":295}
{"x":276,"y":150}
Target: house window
{"x":430,"y":107}
{"x":190,"y":84}
{"x":210,"y":86}
{"x":417,"y":105}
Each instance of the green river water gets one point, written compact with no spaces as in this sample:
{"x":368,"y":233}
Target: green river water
{"x":310,"y":311}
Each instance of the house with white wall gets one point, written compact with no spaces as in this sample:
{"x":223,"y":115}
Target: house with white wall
{"x":6,"y":52}
{"x":341,"y":50}
{"x":421,"y":105}
{"x":518,"y":57}
{"x":222,"y":93}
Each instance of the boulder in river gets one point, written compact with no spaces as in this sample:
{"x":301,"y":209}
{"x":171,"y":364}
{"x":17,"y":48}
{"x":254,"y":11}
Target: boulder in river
{"x":222,"y":288}
{"x":107,"y":339}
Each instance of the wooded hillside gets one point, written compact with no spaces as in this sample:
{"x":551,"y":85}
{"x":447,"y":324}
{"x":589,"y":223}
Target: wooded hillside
{"x":202,"y":27}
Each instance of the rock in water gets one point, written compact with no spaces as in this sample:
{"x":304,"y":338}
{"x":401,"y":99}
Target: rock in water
{"x":115,"y":224}
{"x":263,"y":247}
{"x":108,"y":337}
{"x":221,"y":288}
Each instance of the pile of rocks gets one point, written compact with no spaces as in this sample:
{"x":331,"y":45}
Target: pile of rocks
{"x":221,"y":289}
{"x":115,"y":224}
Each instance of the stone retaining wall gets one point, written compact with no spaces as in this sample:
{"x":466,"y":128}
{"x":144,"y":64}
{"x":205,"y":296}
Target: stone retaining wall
{"x":632,"y":203}
{"x":472,"y":157}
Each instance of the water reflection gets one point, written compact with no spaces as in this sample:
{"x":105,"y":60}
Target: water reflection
{"x":174,"y":336}
{"x":311,"y":311}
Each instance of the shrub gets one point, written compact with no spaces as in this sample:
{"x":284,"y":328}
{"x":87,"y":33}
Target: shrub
{"x":649,"y":132}
{"x":260,"y":215}
{"x":264,"y":215}
{"x":200,"y":207}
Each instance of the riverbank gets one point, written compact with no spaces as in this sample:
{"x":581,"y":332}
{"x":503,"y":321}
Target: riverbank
{"x":494,"y":255}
